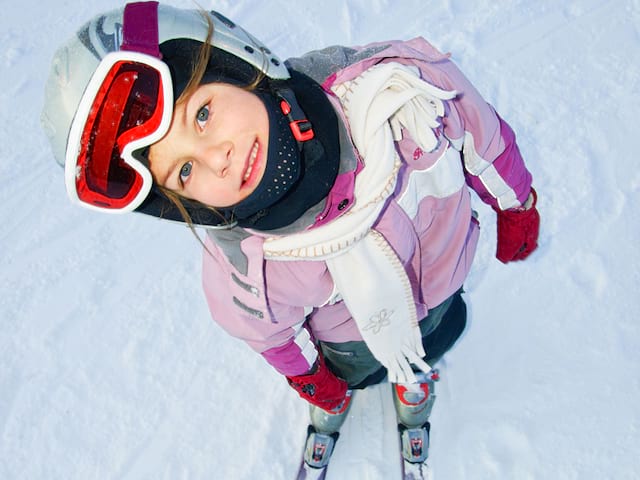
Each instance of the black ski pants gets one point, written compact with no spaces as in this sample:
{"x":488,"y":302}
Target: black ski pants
{"x":440,"y":329}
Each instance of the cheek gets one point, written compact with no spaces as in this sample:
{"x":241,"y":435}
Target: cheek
{"x":214,"y":192}
{"x":162,"y":157}
{"x":264,"y":119}
{"x":255,"y":112}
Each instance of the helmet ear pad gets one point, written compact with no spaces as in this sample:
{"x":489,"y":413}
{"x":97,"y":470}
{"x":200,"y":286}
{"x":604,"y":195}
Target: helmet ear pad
{"x":181,"y":56}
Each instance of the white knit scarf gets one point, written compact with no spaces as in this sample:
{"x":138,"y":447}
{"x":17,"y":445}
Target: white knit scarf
{"x":367,"y":273}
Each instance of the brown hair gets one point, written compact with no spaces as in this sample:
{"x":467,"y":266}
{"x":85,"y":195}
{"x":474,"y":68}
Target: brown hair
{"x":201,"y":62}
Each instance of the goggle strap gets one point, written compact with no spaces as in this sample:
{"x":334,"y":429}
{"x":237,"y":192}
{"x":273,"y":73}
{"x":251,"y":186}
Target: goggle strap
{"x":140,"y":28}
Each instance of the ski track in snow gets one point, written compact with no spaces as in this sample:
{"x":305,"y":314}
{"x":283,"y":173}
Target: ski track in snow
{"x":111,"y":367}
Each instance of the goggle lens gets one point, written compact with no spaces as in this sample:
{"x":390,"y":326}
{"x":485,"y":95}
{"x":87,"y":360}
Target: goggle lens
{"x":127,"y":107}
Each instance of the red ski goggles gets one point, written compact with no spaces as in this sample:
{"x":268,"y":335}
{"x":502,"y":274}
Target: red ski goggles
{"x":127,"y":105}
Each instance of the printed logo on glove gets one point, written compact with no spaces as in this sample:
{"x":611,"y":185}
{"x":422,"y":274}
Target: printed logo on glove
{"x":320,"y":387}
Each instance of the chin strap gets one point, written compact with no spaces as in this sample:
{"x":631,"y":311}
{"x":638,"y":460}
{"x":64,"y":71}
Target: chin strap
{"x":300,"y":126}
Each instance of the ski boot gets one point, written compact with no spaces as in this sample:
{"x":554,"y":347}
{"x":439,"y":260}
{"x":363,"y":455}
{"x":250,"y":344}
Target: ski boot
{"x":323,"y":432}
{"x":413,"y":403}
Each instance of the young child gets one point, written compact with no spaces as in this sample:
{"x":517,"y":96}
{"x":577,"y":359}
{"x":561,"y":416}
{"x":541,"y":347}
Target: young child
{"x":333,"y":188}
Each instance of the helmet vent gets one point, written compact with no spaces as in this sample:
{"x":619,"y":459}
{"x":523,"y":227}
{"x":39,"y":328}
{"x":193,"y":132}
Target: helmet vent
{"x":223,"y":19}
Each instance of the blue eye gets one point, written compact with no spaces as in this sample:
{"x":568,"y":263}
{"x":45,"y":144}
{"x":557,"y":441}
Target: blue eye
{"x":185,"y":171}
{"x":202,"y":116}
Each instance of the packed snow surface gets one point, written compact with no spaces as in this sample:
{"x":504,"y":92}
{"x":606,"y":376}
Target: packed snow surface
{"x":110,"y":364}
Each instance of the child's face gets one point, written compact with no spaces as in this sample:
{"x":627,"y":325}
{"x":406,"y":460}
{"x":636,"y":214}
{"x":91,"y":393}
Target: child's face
{"x":216,"y":148}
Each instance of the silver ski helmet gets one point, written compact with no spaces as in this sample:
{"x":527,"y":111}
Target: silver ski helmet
{"x":112,"y":78}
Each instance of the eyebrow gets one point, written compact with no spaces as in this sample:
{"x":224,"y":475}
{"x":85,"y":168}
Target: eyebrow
{"x":172,"y":167}
{"x":164,"y":175}
{"x":186,"y":105}
{"x":167,"y":174}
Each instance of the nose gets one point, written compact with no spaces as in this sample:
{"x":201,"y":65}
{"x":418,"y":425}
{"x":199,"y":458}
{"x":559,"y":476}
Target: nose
{"x":217,"y":157}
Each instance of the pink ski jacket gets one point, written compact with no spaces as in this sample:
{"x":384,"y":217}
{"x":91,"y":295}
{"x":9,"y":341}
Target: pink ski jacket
{"x":282,"y":308}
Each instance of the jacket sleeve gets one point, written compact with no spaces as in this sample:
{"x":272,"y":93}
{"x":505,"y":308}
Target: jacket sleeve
{"x":494,"y":167}
{"x":238,"y":303}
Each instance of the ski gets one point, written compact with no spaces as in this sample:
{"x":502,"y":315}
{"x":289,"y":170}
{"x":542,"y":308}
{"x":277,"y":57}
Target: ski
{"x":310,"y":473}
{"x":316,"y":455}
{"x":416,"y":471}
{"x":374,"y":443}
{"x":415,"y":447}
{"x":413,"y":406}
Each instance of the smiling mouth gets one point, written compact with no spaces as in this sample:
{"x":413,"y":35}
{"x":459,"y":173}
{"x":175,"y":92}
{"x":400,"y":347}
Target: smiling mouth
{"x":252,"y":158}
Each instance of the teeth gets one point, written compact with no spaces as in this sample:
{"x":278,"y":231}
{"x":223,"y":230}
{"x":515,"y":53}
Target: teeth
{"x":252,"y":158}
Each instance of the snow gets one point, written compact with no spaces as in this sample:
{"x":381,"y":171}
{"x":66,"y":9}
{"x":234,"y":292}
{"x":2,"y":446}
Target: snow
{"x":111,"y":367}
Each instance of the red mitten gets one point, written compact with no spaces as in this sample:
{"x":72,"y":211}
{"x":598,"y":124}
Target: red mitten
{"x":321,"y":387}
{"x":518,"y":232}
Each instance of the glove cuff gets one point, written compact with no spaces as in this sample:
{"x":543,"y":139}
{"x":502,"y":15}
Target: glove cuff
{"x":320,"y":387}
{"x":522,"y":213}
